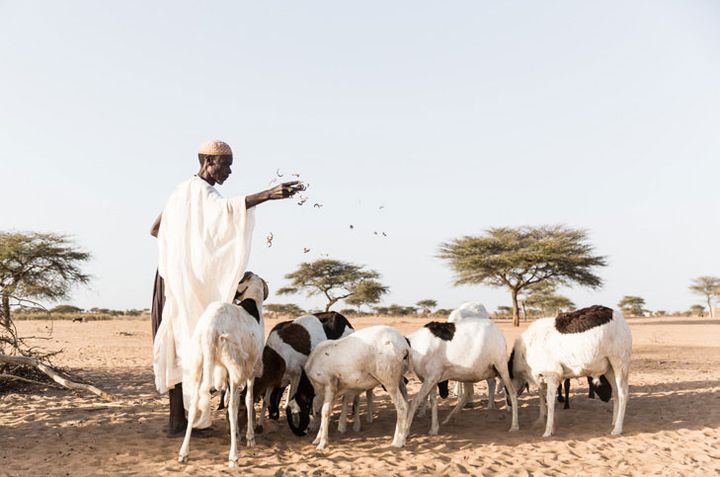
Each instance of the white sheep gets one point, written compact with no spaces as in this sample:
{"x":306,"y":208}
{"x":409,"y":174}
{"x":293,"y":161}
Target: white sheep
{"x":226,"y":352}
{"x":592,"y":342}
{"x":472,"y":310}
{"x":470,"y":350}
{"x":377,"y":355}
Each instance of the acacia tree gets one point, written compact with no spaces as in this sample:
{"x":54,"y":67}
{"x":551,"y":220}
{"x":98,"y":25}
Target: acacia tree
{"x":632,"y":305}
{"x":709,"y":287}
{"x":697,"y":310}
{"x":336,"y":280}
{"x":426,"y":305}
{"x":38,"y":266}
{"x":368,"y":292}
{"x":516,"y":258}
{"x":543,"y":298}
{"x":290,"y":309}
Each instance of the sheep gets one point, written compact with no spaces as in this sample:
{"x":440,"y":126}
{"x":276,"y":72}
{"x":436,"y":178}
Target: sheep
{"x":603,"y":390}
{"x":591,"y":342}
{"x":226,"y":348}
{"x":377,"y":355}
{"x":470,"y":350}
{"x":474,"y":310}
{"x":287,"y":348}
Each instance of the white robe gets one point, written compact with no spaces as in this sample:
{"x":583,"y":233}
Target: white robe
{"x":204,"y":245}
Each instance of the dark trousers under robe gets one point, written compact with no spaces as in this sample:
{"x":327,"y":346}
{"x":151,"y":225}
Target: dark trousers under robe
{"x":177,"y":410}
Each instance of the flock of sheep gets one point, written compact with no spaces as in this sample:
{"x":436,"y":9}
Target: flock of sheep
{"x":321,"y":357}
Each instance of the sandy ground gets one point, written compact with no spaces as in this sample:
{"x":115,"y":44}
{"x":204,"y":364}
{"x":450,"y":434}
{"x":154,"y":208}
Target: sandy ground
{"x":672,"y":425}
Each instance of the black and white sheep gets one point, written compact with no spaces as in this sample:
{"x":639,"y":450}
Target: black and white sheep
{"x":591,"y":342}
{"x":468,"y":351}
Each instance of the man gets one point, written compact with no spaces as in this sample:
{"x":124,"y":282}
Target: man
{"x":204,"y":244}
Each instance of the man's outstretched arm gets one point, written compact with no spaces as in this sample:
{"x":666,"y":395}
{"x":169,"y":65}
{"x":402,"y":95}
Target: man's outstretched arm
{"x":282,"y":191}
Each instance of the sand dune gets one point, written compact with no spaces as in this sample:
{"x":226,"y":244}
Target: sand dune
{"x":672,"y":425}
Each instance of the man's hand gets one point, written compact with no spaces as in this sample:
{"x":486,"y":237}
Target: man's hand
{"x":282,"y":191}
{"x":285,"y":190}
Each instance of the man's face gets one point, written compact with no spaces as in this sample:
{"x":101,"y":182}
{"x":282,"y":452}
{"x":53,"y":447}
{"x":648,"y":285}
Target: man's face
{"x":220,"y":169}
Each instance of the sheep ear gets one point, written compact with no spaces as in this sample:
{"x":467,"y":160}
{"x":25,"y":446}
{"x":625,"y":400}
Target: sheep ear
{"x":266,"y":290}
{"x":247,"y":276}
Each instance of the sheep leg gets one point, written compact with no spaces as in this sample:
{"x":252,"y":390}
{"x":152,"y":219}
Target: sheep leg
{"x":552,"y":385}
{"x":250,"y":403}
{"x":620,"y":372}
{"x":342,"y":422}
{"x":263,"y":409}
{"x":421,"y":409}
{"x":286,"y":398}
{"x":543,"y":406}
{"x":290,"y":401}
{"x":434,"y":424}
{"x":566,"y":385}
{"x":491,"y":394}
{"x":192,"y":412}
{"x":316,"y":405}
{"x":419,"y":398}
{"x":322,"y":438}
{"x":401,"y":407}
{"x":469,"y":391}
{"x":502,"y":369}
{"x":458,"y":406}
{"x":369,"y":398}
{"x":233,"y":416}
{"x":591,"y":388}
{"x":458,"y":388}
{"x":356,"y":413}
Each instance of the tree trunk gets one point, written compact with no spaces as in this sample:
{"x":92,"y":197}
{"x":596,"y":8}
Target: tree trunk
{"x":710,"y":307}
{"x":515,"y":308}
{"x":5,"y":311}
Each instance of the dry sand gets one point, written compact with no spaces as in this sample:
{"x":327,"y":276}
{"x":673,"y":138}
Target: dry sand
{"x":672,"y":425}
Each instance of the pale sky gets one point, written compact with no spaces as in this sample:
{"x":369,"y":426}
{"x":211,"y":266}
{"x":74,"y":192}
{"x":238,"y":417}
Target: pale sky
{"x":456,"y":116}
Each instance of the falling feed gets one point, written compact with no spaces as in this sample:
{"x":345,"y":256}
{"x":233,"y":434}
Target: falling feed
{"x":269,"y":239}
{"x":277,"y":173}
{"x":306,"y":250}
{"x":317,"y":205}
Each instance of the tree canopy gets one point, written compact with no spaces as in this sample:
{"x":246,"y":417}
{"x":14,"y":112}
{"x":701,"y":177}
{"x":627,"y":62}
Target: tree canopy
{"x":632,"y":305}
{"x":516,"y":258}
{"x":709,"y":287}
{"x":697,"y":310}
{"x":426,"y":305}
{"x":542,"y":299}
{"x":37,"y":265}
{"x":66,"y":309}
{"x":395,"y":310}
{"x":336,"y":280}
{"x":290,"y":309}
